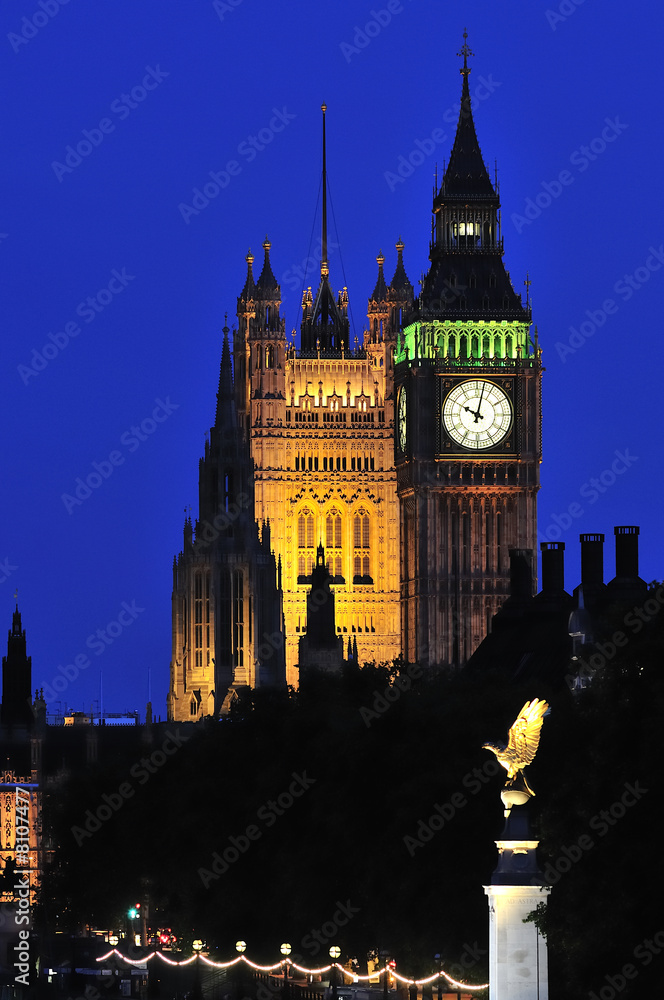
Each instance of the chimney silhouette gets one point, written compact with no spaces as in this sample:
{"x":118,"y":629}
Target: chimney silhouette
{"x":521,"y":573}
{"x":627,"y":584}
{"x":553,"y":567}
{"x":592,"y":560}
{"x":592,"y":571}
{"x":627,"y":551}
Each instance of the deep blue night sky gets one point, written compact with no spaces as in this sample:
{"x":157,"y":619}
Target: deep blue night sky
{"x":568,"y":102}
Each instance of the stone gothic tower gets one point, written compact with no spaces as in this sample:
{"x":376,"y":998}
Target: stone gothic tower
{"x":226,"y":606}
{"x":468,"y":439}
{"x":16,"y":709}
{"x":321,"y":425}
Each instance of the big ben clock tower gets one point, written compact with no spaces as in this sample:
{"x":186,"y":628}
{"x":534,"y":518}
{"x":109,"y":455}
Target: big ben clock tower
{"x":468,"y":419}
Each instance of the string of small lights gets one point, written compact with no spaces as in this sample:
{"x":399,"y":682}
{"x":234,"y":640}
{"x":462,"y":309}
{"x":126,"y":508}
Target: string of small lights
{"x":300,"y":968}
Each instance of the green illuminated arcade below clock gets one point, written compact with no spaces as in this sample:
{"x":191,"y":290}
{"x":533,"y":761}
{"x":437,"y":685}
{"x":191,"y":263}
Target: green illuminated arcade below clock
{"x":477,"y":414}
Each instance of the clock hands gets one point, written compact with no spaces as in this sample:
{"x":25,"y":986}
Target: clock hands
{"x":476,"y":413}
{"x":480,"y":402}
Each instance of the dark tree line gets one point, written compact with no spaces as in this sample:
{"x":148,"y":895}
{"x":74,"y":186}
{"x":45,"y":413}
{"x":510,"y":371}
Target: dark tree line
{"x":362,"y":811}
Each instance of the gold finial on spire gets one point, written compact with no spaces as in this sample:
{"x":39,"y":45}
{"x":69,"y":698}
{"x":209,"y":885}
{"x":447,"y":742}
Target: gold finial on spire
{"x":465,"y":52}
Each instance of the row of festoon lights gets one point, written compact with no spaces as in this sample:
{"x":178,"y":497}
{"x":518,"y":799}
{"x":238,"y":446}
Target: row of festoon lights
{"x":285,"y":963}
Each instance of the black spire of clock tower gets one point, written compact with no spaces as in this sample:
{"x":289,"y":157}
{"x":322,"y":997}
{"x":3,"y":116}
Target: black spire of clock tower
{"x":467,"y":278}
{"x":466,"y":173}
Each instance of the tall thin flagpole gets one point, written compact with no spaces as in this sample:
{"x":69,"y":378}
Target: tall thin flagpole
{"x":324,"y":234}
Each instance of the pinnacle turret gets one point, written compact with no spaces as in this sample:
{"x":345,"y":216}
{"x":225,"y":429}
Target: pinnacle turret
{"x":249,"y":290}
{"x":226,"y":414}
{"x":400,"y":281}
{"x":267,"y":284}
{"x":379,"y":293}
{"x":16,"y":624}
{"x":389,"y":304}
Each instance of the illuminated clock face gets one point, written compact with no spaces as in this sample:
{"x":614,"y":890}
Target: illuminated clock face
{"x":401,"y":419}
{"x":477,"y":414}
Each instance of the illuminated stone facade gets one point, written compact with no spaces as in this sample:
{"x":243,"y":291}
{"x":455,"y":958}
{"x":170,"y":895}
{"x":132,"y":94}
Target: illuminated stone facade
{"x":321,"y":424}
{"x":21,"y":828}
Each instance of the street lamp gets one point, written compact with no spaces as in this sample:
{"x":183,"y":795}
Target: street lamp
{"x":240,"y":947}
{"x":113,"y":941}
{"x":439,"y":959}
{"x":285,"y":951}
{"x":198,"y":947}
{"x":335,"y":952}
{"x":385,"y":956}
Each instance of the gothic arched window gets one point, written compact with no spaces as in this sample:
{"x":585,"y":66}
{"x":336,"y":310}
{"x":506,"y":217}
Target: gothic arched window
{"x":305,"y":545}
{"x":198,"y":620}
{"x":361,"y":548}
{"x":238,"y":618}
{"x":333,"y":545}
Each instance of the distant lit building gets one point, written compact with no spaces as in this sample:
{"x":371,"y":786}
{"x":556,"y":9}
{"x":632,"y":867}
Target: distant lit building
{"x":21,"y":847}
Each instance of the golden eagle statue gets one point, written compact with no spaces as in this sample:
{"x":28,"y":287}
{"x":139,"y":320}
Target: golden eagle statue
{"x":522,"y":743}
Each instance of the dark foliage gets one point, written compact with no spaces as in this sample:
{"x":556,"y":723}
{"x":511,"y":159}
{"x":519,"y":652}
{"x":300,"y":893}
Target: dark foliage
{"x":600,"y":820}
{"x":348,"y":855}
